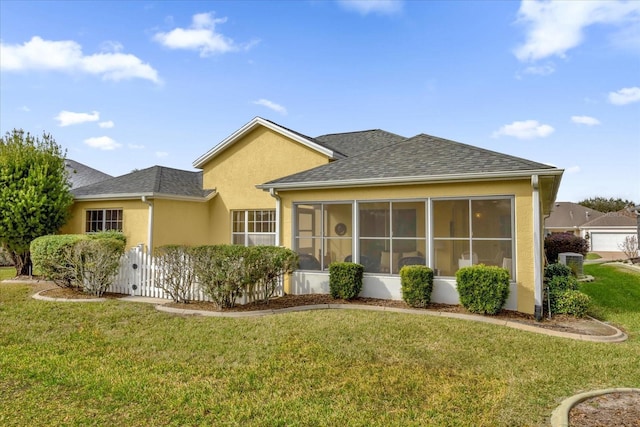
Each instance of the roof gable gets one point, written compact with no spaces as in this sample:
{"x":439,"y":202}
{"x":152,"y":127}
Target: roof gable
{"x":259,"y":121}
{"x":418,"y":159}
{"x":153,"y":181}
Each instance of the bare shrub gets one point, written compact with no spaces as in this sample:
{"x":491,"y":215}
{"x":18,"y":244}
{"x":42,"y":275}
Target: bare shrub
{"x":176,"y":264}
{"x":629,"y":246}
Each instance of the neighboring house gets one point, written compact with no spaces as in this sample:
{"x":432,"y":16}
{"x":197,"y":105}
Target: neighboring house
{"x":81,"y":175}
{"x":568,"y":217}
{"x":607,"y":232}
{"x":372,"y":197}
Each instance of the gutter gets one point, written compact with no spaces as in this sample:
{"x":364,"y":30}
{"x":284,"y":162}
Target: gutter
{"x":537,"y":249}
{"x":150,"y":229}
{"x":136,"y":196}
{"x":387,"y":181}
{"x":272,"y":193}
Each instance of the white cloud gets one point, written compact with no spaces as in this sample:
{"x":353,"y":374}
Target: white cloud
{"x":271,"y":105}
{"x":68,"y":118}
{"x":24,"y":108}
{"x":102,"y":143}
{"x":161,"y":154}
{"x":585,"y":120}
{"x":200,"y":36}
{"x":541,"y":70}
{"x":66,"y":55}
{"x":625,"y":96}
{"x":135,"y":146}
{"x":573,"y":169}
{"x":527,"y":129}
{"x":106,"y":125}
{"x":554,"y":27}
{"x":364,"y":7}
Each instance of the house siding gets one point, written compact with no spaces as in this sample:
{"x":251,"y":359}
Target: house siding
{"x":260,"y":156}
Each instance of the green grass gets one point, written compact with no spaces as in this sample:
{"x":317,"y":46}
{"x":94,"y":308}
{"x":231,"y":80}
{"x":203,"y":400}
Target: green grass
{"x":7,"y":273}
{"x":616,"y":292}
{"x":125,"y":364}
{"x":593,"y":255}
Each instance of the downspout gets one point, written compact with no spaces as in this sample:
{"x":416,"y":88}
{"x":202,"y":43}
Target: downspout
{"x":273,"y":194}
{"x":150,"y":229}
{"x":537,"y":249}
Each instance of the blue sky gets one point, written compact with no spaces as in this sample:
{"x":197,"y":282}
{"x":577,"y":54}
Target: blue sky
{"x":128,"y":85}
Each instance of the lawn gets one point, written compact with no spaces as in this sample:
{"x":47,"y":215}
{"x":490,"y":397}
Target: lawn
{"x":7,"y":273}
{"x":123,"y":363}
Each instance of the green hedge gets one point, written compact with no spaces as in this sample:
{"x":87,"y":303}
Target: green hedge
{"x":483,"y":289}
{"x":96,"y":262}
{"x":51,"y":256}
{"x":561,"y":291}
{"x":345,"y":279}
{"x":227,"y":272}
{"x":417,"y":284}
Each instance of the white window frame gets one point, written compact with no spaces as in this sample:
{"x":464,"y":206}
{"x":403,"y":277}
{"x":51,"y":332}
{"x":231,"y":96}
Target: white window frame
{"x":103,"y":223}
{"x":246,"y":234}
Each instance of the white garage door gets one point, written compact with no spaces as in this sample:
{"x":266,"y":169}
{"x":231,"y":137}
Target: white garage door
{"x":607,"y":242}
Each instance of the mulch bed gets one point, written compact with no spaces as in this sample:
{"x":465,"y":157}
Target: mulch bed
{"x":611,"y":410}
{"x":557,"y":323}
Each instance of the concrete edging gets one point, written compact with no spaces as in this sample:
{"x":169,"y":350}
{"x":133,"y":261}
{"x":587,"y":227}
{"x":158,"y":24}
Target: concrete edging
{"x":618,"y":335}
{"x":560,"y":415}
{"x":43,"y":298}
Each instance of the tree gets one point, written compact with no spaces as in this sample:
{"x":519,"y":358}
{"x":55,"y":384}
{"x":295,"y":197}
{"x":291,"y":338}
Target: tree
{"x":34,"y":192}
{"x":602,"y":204}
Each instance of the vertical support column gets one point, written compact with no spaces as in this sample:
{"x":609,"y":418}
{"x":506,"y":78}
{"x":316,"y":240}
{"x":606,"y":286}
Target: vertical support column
{"x":537,"y":248}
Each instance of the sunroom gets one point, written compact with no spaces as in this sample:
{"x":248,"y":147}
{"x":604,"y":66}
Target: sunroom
{"x":444,"y":234}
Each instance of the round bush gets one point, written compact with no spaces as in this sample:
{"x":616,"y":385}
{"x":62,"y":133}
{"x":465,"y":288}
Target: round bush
{"x":573,"y":302}
{"x":417,"y":284}
{"x":483,"y":289}
{"x":345,"y":279}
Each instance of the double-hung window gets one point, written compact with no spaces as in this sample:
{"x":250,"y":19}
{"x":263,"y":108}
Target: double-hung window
{"x":254,"y":227}
{"x":103,"y":220}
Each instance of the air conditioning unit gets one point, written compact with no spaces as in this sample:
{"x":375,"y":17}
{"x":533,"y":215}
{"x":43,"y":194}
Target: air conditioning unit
{"x":572,"y":260}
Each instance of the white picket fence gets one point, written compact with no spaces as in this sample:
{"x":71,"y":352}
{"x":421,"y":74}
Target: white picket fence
{"x":141,"y":275}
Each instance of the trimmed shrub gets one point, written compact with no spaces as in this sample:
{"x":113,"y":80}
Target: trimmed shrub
{"x":176,"y":263}
{"x":222,"y":272}
{"x":417,"y":284}
{"x":555,"y":244}
{"x":117,"y":235}
{"x":572,"y":302}
{"x":483,"y":289}
{"x":345,"y":279}
{"x":51,"y":255}
{"x":557,"y":270}
{"x":96,"y":262}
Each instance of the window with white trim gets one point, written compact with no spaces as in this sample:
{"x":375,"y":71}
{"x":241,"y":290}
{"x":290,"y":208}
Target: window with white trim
{"x":254,"y":227}
{"x":103,"y":220}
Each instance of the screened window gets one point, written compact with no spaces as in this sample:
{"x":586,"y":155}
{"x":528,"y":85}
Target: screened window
{"x":254,"y":227}
{"x":392,"y":234}
{"x":472,"y":231}
{"x":323,"y":234}
{"x":103,"y":220}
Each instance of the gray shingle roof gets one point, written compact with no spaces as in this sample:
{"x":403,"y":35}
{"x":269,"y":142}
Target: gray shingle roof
{"x":569,"y":215}
{"x":354,"y":143}
{"x":612,"y":219}
{"x":423,"y":156}
{"x":81,"y":175}
{"x":156,"y":180}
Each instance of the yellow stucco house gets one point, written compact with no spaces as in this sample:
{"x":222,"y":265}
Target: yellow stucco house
{"x":372,"y":197}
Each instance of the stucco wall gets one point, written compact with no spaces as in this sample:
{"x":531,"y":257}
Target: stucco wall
{"x":135,"y":216}
{"x":180,"y":222}
{"x":260,"y":156}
